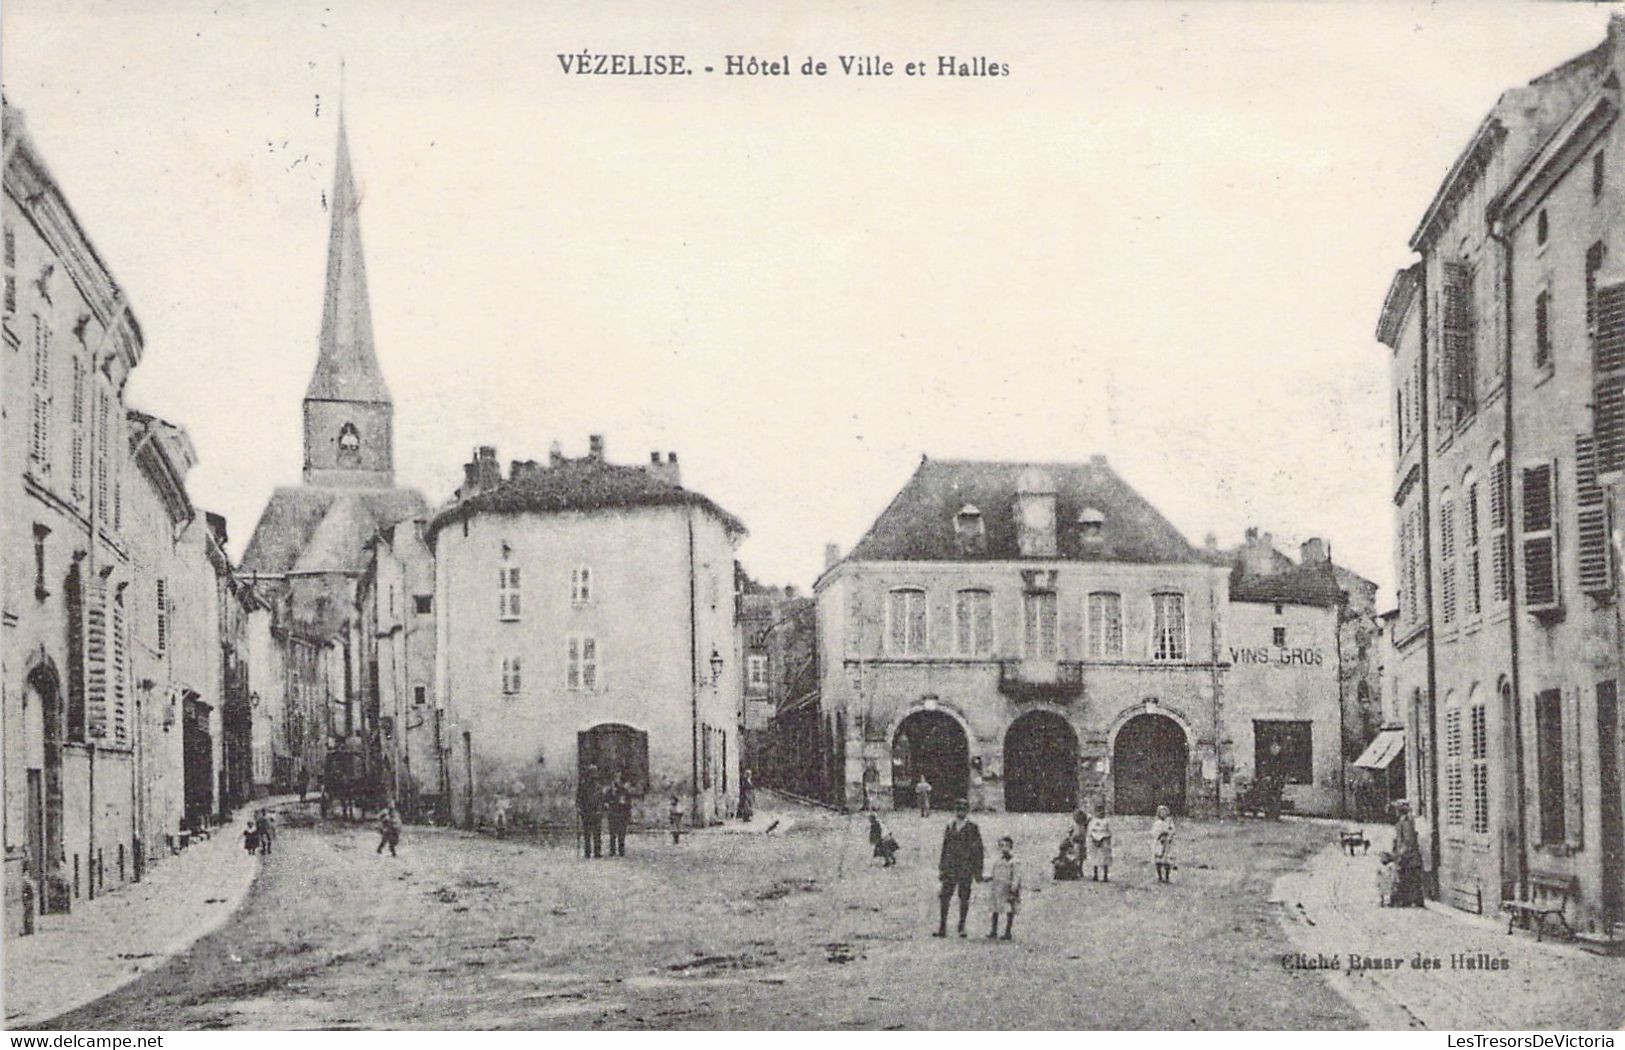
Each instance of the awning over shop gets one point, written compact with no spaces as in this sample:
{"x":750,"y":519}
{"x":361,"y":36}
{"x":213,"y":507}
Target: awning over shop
{"x":1387,"y":746}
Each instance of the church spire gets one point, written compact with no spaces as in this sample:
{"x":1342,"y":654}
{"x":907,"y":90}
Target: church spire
{"x":347,"y":367}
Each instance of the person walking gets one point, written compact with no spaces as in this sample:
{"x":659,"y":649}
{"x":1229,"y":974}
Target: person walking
{"x":674,"y":819}
{"x":267,"y":827}
{"x":747,"y":796}
{"x":922,"y":795}
{"x":1162,"y":844}
{"x":1100,"y":847}
{"x":389,"y":830}
{"x":590,"y":807}
{"x":1004,"y":888}
{"x":959,"y":864}
{"x":1407,"y":854}
{"x":251,"y":837}
{"x":618,"y":808}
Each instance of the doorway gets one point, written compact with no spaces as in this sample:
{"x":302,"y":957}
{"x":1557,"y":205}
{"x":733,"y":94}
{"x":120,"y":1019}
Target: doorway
{"x":1040,"y":764}
{"x":1149,"y":762}
{"x":619,"y":751}
{"x":932,"y":745}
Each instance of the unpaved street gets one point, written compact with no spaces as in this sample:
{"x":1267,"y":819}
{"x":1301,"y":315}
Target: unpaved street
{"x":797,"y":929}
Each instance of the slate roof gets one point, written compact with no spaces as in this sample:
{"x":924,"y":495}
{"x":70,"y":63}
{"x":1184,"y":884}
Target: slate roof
{"x":1299,"y":585}
{"x":919,"y":523}
{"x":579,"y":485}
{"x":312,"y":529}
{"x":346,"y":366}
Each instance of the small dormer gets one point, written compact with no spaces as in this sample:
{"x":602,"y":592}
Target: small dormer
{"x":970,"y":531}
{"x":1091,"y":528}
{"x":1035,"y":513}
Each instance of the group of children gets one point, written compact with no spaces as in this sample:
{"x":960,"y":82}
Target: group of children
{"x":260,"y":833}
{"x":1089,"y":840}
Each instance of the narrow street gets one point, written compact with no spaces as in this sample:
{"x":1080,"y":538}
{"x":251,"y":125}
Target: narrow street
{"x":737,"y":928}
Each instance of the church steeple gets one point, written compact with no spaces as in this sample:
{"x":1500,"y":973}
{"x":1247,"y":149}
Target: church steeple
{"x":348,"y":414}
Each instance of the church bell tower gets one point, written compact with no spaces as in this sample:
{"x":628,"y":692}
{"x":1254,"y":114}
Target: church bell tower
{"x":349,"y":418}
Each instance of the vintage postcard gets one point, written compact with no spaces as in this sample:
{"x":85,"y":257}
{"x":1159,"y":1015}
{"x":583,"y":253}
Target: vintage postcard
{"x":804,"y":516}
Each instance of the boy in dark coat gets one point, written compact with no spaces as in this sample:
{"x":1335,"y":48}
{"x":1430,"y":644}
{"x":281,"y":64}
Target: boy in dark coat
{"x":959,"y":865}
{"x":590,"y":806}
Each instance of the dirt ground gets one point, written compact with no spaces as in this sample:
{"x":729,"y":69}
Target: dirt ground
{"x":796,"y":929}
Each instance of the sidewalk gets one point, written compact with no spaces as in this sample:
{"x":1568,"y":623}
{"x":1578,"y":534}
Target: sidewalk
{"x":1330,"y":908}
{"x":105,"y":943}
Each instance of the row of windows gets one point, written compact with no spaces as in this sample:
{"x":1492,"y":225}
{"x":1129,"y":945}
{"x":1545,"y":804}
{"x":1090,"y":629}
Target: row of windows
{"x":908,"y":634}
{"x":509,"y":605}
{"x":581,"y":670}
{"x":41,"y":453}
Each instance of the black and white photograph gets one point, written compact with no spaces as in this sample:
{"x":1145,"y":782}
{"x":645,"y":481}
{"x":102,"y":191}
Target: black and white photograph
{"x":990,"y":517}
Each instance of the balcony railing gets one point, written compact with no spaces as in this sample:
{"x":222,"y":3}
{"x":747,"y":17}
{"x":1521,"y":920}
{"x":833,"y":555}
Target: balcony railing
{"x":1056,"y":682}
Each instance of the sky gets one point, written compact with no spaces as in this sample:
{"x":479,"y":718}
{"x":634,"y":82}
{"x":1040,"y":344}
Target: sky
{"x":1164,"y":237}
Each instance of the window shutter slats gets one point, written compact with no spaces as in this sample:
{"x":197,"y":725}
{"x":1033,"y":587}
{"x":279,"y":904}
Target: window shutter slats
{"x":1540,"y":538}
{"x":1591,"y":513}
{"x":1459,"y":350}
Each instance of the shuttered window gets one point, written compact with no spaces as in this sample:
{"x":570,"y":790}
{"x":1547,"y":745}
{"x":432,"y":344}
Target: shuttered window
{"x":508,"y":592}
{"x":1479,"y":741}
{"x":1543,"y":329}
{"x":1591,"y":518}
{"x":1549,"y":755}
{"x":510,"y":676}
{"x":1540,"y":582}
{"x":1500,"y":513}
{"x":1447,"y":560}
{"x":1460,"y":349}
{"x":1039,"y":612}
{"x":161,"y":601}
{"x":1469,"y":551}
{"x":906,"y":626}
{"x":973,"y":623}
{"x":1609,"y":395}
{"x":1452,"y":764}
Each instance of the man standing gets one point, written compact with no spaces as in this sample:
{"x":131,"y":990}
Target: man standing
{"x":1407,"y":854}
{"x":959,"y":865}
{"x":590,"y":806}
{"x":747,"y":793}
{"x":922,"y":795}
{"x":618,"y":804}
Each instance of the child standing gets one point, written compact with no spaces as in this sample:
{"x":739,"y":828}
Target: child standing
{"x":1005,"y":888}
{"x":251,"y":837}
{"x":1162,"y":844}
{"x":1100,"y":846}
{"x":674,"y":819}
{"x":922,"y":795}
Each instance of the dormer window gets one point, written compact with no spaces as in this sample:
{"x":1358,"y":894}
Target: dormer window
{"x":1091,"y":524}
{"x":970,"y":531}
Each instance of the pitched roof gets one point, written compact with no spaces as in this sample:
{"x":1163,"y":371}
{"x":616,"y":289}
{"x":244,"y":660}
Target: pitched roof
{"x":579,"y":485}
{"x":295,"y":533}
{"x":346,"y":366}
{"x":919,"y":523}
{"x":1298,"y":585}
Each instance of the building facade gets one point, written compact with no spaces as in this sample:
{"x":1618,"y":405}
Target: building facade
{"x":586,"y":615}
{"x":1027,"y":637}
{"x":1510,"y":423}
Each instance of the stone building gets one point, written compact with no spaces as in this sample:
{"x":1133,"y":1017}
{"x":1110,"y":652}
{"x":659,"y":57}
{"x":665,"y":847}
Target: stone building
{"x":586,"y":615}
{"x":1030,"y":637}
{"x":308,"y":551}
{"x":777,"y":637}
{"x":1507,"y":340}
{"x":396,"y":606}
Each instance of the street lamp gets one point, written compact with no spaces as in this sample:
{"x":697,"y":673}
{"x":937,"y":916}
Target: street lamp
{"x":716,"y":665}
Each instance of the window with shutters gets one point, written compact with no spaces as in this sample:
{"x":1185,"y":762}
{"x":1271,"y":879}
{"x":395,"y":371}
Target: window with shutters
{"x":1549,"y":755}
{"x":510,"y":676}
{"x":39,"y":433}
{"x":1459,"y":343}
{"x":581,"y":663}
{"x":1167,"y":626}
{"x":1608,"y":395}
{"x":1596,"y":255}
{"x":1447,"y":558}
{"x":119,"y":671}
{"x":1591,"y":537}
{"x":756,"y":672}
{"x":1452,"y":762}
{"x":581,"y":585}
{"x":1470,"y":589}
{"x":1500,"y":512}
{"x":11,"y":276}
{"x":1479,"y":755}
{"x":1543,"y":329}
{"x":104,"y":429}
{"x":973,"y":623}
{"x":906,"y":622}
{"x":1540,"y":580}
{"x":508,"y":592}
{"x":1040,"y":611}
{"x":1105,"y":618}
{"x":161,"y":602}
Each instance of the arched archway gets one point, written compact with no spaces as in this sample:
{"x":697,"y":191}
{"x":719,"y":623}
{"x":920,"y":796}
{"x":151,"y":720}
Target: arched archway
{"x":1149,"y":761}
{"x":931,"y":744}
{"x":1040,"y":764}
{"x":42,"y":713}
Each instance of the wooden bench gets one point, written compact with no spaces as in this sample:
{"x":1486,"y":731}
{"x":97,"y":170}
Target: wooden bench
{"x":1545,"y":897}
{"x":1348,"y":838}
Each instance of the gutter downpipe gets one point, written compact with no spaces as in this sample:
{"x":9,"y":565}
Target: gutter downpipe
{"x":1427,"y":438}
{"x":1499,"y":233}
{"x":693,"y":674}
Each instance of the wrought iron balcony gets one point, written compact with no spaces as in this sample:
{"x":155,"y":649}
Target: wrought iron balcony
{"x":1052,"y":681}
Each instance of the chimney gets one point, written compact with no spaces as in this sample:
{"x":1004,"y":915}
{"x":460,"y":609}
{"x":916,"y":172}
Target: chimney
{"x":1258,"y":556}
{"x":674,"y":474}
{"x":488,"y":471}
{"x":595,"y":447}
{"x":832,"y":555}
{"x":654,"y":459}
{"x":1313,"y":551}
{"x":555,"y":454}
{"x":1211,"y":541}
